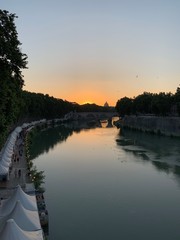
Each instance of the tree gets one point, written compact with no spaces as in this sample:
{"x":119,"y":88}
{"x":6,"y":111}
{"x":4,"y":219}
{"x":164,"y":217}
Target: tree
{"x":142,"y":103}
{"x":124,"y":106}
{"x":162,"y":103}
{"x":11,"y":58}
{"x":38,"y":105}
{"x":177,"y":99}
{"x":11,"y":79}
{"x":149,"y":103}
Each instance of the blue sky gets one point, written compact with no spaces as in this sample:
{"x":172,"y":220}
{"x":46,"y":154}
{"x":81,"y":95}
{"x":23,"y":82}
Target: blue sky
{"x":99,"y":50}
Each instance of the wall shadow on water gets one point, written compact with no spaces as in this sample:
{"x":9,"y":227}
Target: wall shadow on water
{"x":163,"y":152}
{"x":46,"y":139}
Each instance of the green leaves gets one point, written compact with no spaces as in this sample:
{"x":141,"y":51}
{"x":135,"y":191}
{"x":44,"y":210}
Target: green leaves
{"x":161,"y":104}
{"x":11,"y":57}
{"x":11,"y":81}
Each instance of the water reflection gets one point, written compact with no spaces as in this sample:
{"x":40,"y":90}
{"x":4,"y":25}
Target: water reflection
{"x":163,"y":152}
{"x":162,"y":166}
{"x":50,"y":137}
{"x":47,"y":139}
{"x":99,"y":188}
{"x":104,"y":123}
{"x":108,"y":123}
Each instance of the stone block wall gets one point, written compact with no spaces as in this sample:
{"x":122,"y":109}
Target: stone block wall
{"x":162,"y":125}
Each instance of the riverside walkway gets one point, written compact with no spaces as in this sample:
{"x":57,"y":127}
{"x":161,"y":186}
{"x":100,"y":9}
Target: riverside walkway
{"x":19,"y":175}
{"x":18,"y":170}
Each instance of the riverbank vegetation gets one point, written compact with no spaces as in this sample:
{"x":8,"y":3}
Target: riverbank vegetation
{"x":12,"y":60}
{"x":159,"y":104}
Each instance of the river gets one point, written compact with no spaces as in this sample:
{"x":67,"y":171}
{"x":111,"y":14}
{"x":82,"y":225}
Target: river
{"x":109,"y":184}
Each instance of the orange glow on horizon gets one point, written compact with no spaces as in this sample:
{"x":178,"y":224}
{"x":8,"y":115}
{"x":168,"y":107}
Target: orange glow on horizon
{"x":87,"y":102}
{"x":89,"y":97}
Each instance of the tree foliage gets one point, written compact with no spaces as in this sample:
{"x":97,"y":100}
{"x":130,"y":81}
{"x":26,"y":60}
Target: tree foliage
{"x":38,"y":105}
{"x":143,"y":103}
{"x":12,"y":61}
{"x":177,"y":99}
{"x":124,"y":106}
{"x":92,"y":107}
{"x":162,"y":104}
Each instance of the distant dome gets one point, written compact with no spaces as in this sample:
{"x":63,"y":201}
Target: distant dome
{"x":106,"y":104}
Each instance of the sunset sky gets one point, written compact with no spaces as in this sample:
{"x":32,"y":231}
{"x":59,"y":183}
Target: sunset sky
{"x":99,"y":50}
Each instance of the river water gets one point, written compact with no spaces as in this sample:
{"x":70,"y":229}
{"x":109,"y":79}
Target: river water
{"x":109,"y":184}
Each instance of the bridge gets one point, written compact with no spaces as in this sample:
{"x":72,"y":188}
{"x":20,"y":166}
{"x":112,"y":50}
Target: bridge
{"x":90,"y":115}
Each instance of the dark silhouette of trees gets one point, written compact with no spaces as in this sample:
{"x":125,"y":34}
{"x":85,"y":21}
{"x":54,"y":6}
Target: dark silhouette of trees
{"x":124,"y":106}
{"x":177,"y":99}
{"x":38,"y":105}
{"x":162,"y":104}
{"x":143,"y":103}
{"x":12,"y":60}
{"x":93,"y":108}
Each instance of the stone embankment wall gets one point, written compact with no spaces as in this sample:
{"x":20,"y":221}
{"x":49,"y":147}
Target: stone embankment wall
{"x":161,"y":125}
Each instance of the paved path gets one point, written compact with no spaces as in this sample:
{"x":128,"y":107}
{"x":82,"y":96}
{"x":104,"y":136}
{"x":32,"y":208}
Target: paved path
{"x":19,"y":176}
{"x":18,"y":172}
